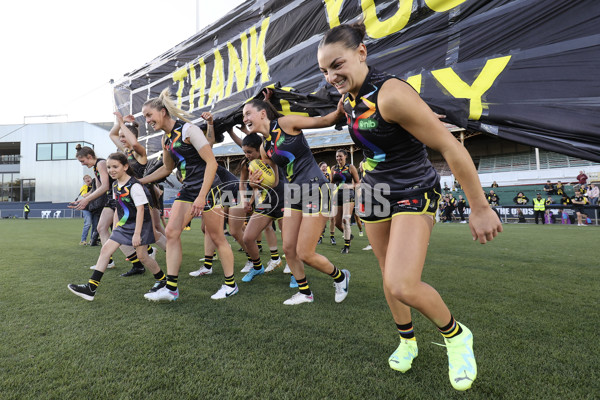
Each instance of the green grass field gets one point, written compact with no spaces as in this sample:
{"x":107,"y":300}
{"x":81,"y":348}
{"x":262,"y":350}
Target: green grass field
{"x":531,"y":299}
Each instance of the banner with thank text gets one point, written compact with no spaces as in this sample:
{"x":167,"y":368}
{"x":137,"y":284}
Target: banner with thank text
{"x":522,"y":70}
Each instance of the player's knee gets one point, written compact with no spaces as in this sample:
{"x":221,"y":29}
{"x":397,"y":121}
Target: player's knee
{"x":402,"y":292}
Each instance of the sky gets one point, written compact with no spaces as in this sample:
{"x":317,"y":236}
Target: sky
{"x":59,"y":56}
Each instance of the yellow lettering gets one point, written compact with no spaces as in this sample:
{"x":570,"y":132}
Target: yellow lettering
{"x":287,"y":110}
{"x":237,"y":68}
{"x":257,"y":53}
{"x":333,"y":7}
{"x":415,"y":82}
{"x":443,"y":5}
{"x":377,"y":29}
{"x":198,"y":84}
{"x":179,"y":76}
{"x":217,"y":84}
{"x":459,"y":89}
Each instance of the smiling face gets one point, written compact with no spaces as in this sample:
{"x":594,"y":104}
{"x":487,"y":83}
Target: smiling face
{"x":123,"y":140}
{"x":323,"y":167}
{"x":344,"y":68}
{"x":340,"y":158}
{"x":87,"y":180}
{"x":116,"y":170}
{"x":87,"y":161}
{"x":254,"y":119}
{"x":155,"y":118}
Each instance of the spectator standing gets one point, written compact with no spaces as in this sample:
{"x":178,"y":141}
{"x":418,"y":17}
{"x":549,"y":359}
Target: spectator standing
{"x":539,"y":208}
{"x":87,"y":214}
{"x":461,"y":205}
{"x":579,"y":200}
{"x":26,"y":210}
{"x":549,"y":215}
{"x":582,"y":178}
{"x":593,"y":194}
{"x":494,"y":184}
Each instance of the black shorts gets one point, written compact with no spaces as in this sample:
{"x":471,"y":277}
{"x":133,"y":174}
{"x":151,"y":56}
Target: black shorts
{"x":343,"y":196}
{"x":270,"y":204}
{"x":111,"y":203}
{"x":377,"y":207}
{"x":309,"y":198}
{"x":189,"y":195}
{"x":229,"y":193}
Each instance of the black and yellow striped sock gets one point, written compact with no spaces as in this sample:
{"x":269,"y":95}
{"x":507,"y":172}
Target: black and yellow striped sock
{"x":406,"y":331}
{"x":94,"y":281}
{"x":452,"y":329}
{"x":135,"y":261}
{"x":274,"y":254}
{"x":172,"y":282}
{"x":303,"y":286}
{"x":160,"y":276}
{"x":259,"y":244}
{"x":257,"y":264}
{"x":337,"y":275}
{"x":230,"y":281}
{"x":208,"y":261}
{"x":331,"y":235}
{"x":248,"y":257}
{"x":346,"y":243}
{"x":110,"y":261}
{"x":150,"y":250}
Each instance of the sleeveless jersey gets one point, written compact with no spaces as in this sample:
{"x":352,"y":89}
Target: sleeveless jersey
{"x":291,"y":152}
{"x":137,"y":168}
{"x":342,"y":175}
{"x":392,"y":155}
{"x":126,"y":210}
{"x":187,"y":160}
{"x":97,"y":174}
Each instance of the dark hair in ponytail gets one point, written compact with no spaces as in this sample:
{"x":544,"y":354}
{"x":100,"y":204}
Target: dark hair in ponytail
{"x":84,"y":151}
{"x":252,"y":140}
{"x":133,"y":128}
{"x":350,"y":35}
{"x":272,"y":113}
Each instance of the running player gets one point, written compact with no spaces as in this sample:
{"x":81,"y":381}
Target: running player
{"x":124,"y":135}
{"x":134,"y":227}
{"x":307,"y":202}
{"x":345,"y":177}
{"x":185,"y":147}
{"x":400,"y":191}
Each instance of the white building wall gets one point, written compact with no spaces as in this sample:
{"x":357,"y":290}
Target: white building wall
{"x":57,"y":180}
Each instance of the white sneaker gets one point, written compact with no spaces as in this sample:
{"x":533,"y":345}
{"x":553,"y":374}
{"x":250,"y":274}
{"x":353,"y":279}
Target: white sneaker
{"x":287,"y":269}
{"x":247,"y":267}
{"x":153,"y":254}
{"x":224,"y":292}
{"x":109,"y":266}
{"x":463,"y":222}
{"x":341,"y":289}
{"x":360,"y":233}
{"x":163,"y":294}
{"x":368,"y":247}
{"x":299,"y":298}
{"x":202,"y":271}
{"x":272,"y":264}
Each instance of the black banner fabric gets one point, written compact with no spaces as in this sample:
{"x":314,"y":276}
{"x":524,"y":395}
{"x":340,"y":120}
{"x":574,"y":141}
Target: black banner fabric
{"x":522,"y":70}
